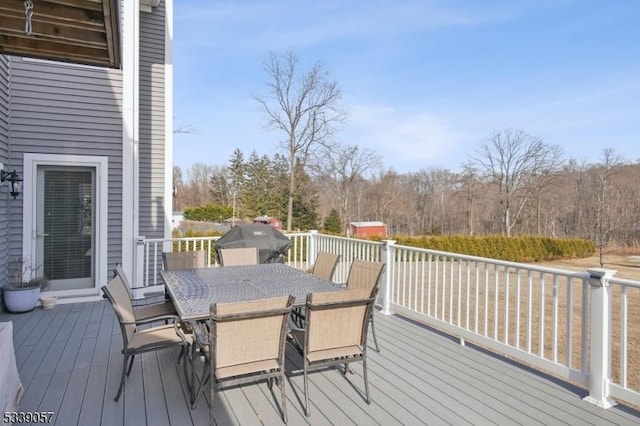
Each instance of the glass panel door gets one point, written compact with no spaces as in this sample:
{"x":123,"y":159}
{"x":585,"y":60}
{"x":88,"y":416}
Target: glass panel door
{"x":65,"y":231}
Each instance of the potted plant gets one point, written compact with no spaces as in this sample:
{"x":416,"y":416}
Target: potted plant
{"x":22,"y":291}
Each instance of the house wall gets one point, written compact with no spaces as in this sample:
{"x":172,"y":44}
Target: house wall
{"x":152,"y":123}
{"x":59,"y":108}
{"x":4,"y":157}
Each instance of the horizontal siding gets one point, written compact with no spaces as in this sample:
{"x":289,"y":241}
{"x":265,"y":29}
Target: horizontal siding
{"x":67,"y":109}
{"x":152,"y":125}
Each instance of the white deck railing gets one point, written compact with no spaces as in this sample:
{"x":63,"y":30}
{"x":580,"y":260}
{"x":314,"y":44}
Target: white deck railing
{"x":573,"y":324}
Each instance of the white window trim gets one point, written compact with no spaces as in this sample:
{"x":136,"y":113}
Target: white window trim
{"x":101,"y":166}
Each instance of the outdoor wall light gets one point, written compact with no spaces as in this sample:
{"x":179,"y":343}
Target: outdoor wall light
{"x":13,"y":178}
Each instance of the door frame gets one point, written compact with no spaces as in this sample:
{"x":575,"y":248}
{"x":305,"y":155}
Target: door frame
{"x":101,"y":167}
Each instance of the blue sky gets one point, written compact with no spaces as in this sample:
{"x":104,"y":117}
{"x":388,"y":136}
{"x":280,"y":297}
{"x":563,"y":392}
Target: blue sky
{"x":424,"y":81}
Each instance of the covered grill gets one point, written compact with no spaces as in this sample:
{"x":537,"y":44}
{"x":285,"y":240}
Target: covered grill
{"x":272,"y":244}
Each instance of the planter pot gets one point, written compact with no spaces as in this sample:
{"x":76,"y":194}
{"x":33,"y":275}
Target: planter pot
{"x":18,"y":300}
{"x":48,"y":302}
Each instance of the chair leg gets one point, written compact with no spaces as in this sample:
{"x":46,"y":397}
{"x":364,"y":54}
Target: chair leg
{"x":307,"y":410}
{"x":366,"y":381}
{"x":212,"y":401}
{"x":283,"y":398}
{"x":202,"y":382}
{"x":182,"y":354}
{"x":124,"y":369}
{"x":373,"y":331}
{"x":130,"y":365}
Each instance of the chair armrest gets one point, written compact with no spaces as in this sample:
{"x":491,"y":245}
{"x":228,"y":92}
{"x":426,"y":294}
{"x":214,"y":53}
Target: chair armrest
{"x":154,"y":319}
{"x":180,"y":332}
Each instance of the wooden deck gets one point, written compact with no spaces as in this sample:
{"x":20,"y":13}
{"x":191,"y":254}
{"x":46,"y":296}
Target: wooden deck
{"x":69,"y":361}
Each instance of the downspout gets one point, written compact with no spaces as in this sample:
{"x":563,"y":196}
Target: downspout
{"x":130,"y":133}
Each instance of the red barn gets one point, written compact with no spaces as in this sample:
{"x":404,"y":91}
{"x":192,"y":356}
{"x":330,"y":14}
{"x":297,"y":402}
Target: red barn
{"x":368,"y":229}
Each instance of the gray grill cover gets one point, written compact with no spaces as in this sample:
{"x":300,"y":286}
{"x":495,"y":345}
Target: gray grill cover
{"x":272,"y":244}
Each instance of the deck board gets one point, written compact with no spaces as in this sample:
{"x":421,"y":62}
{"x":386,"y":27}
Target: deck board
{"x":70,"y":362}
{"x":450,"y":382}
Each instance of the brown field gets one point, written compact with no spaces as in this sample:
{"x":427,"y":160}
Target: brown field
{"x":627,"y":265}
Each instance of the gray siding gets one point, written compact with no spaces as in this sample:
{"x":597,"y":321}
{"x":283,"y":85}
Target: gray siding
{"x":58,"y":108}
{"x":152,"y":122}
{"x":4,"y":158}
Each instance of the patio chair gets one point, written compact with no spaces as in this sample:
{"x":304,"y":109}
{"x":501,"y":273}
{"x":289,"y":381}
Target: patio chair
{"x":147,"y":310}
{"x":325,"y":265}
{"x":134,"y":339}
{"x":248,"y":344}
{"x":238,"y":256}
{"x":178,"y":260}
{"x":365,"y":275}
{"x":335,"y":333}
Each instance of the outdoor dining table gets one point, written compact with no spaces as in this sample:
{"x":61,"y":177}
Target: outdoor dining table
{"x":194,"y":290}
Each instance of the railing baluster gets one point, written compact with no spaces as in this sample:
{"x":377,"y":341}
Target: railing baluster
{"x":496,"y":290}
{"x":569,"y":319}
{"x":518,"y":299}
{"x":529,"y":310}
{"x":486,"y":299}
{"x":468,"y":294}
{"x":554,"y":329}
{"x":542,"y":314}
{"x":506,"y":305}
{"x":477,"y":307}
{"x":623,"y":335}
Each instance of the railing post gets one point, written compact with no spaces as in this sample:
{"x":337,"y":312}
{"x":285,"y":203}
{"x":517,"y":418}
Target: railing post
{"x":387,"y":279}
{"x":138,"y":266}
{"x":599,"y":357}
{"x":311,"y":249}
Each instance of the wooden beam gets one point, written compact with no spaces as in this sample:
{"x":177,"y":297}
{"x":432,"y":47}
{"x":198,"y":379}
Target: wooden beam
{"x":83,"y":31}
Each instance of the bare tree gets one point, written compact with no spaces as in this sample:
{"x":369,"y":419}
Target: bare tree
{"x":178,"y":187}
{"x":342,"y":166}
{"x":304,"y":106}
{"x":183,"y":128}
{"x":385,"y":190}
{"x":470,"y":183}
{"x":197,"y":186}
{"x":606,"y":199}
{"x":512,"y":160}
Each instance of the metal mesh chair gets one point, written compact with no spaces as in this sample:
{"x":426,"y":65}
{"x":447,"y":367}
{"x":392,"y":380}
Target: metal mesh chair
{"x":134,"y":339}
{"x":366,"y":275}
{"x":148,"y":310}
{"x":246,"y":343}
{"x":325,"y":265}
{"x":335,"y":333}
{"x":238,"y":256}
{"x":177,"y":260}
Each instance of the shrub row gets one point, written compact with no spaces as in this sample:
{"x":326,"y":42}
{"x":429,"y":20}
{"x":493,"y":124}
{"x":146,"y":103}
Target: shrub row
{"x":514,"y":249}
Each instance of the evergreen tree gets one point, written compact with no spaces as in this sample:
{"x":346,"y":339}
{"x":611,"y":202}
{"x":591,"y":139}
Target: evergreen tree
{"x":332,"y":224}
